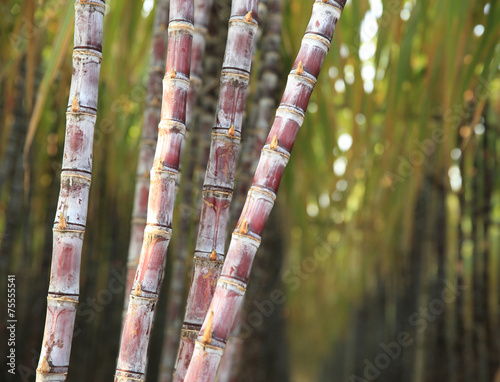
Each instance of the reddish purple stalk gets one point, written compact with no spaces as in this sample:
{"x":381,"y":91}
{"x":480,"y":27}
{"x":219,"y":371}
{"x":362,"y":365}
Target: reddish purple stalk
{"x":245,"y":241}
{"x":164,"y":174}
{"x":149,"y":138}
{"x":265,"y":100}
{"x":71,"y":214}
{"x":219,"y":178}
{"x":177,"y":287}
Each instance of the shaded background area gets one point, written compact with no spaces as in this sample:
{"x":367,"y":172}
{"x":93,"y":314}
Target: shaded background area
{"x":386,"y":237}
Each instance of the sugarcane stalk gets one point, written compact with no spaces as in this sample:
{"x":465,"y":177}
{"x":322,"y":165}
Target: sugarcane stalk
{"x":149,"y":137}
{"x":264,"y":101}
{"x":71,"y":213}
{"x":208,"y":104}
{"x":219,"y":177}
{"x":164,"y":174}
{"x":175,"y":302}
{"x":245,"y":241}
{"x":199,"y":148}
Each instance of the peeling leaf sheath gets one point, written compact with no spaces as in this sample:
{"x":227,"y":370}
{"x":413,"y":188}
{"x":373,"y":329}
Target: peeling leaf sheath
{"x":232,"y":283}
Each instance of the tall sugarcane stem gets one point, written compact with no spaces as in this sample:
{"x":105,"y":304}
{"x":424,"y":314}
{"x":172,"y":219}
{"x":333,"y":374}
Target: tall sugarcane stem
{"x":71,"y":215}
{"x":177,"y":287}
{"x":259,"y":122}
{"x":232,"y":283}
{"x":164,"y":173}
{"x":219,"y":177}
{"x":149,"y":137}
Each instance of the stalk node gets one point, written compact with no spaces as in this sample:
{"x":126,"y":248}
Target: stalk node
{"x":207,"y":336}
{"x":172,"y":73}
{"x":138,"y":290}
{"x":244,"y":227}
{"x":75,"y":106}
{"x":213,"y":255}
{"x":300,"y":68}
{"x":62,"y":221}
{"x":274,"y":143}
{"x":44,"y":367}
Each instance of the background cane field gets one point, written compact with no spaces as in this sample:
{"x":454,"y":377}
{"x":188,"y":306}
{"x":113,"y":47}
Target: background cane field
{"x":381,"y":257}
